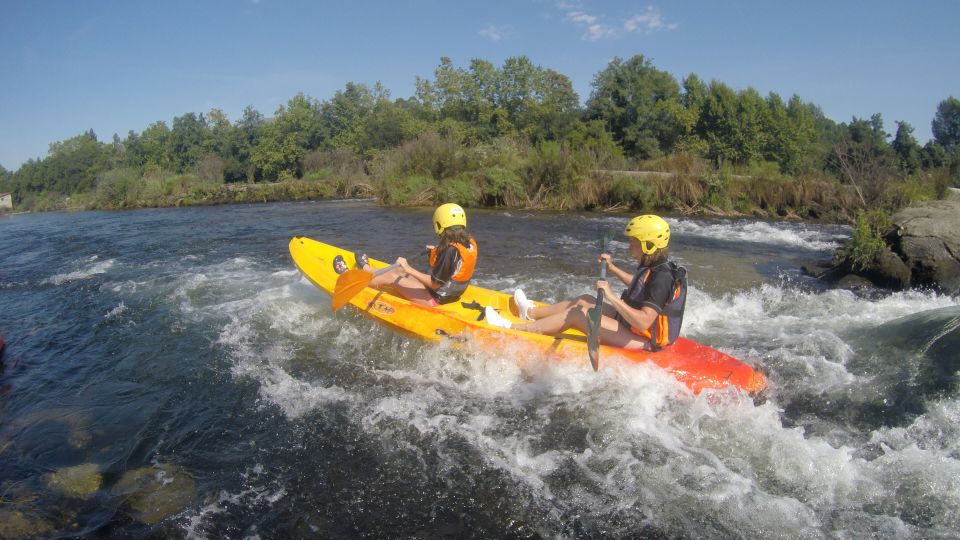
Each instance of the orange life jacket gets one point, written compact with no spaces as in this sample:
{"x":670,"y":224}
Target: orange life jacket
{"x":468,"y":260}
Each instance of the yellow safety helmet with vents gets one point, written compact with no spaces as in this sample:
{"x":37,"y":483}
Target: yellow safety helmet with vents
{"x":448,"y":215}
{"x":652,"y":232}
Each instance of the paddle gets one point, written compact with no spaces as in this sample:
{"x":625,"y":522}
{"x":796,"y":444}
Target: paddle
{"x":595,"y":313}
{"x":351,"y":282}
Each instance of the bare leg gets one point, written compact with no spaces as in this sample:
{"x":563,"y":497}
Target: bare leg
{"x":612,"y":331}
{"x":542,"y":312}
{"x":404,"y":285}
{"x":584,"y":301}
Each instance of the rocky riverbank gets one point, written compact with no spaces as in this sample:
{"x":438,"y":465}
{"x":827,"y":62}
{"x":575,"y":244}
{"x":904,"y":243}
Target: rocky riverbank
{"x":922,"y":249}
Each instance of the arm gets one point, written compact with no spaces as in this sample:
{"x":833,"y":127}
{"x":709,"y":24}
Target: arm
{"x":623,"y":276}
{"x":640,"y":319}
{"x":424,"y":279}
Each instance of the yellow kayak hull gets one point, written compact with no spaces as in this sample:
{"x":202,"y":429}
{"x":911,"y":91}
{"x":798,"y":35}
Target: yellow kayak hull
{"x":696,"y":365}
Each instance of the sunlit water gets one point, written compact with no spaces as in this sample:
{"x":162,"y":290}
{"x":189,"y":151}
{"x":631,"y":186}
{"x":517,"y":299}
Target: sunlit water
{"x":186,"y":338}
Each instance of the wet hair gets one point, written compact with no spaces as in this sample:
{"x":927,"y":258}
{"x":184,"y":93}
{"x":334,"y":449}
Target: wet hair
{"x":660,"y":256}
{"x":455,"y":234}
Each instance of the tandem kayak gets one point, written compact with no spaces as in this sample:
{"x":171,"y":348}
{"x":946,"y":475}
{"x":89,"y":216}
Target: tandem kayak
{"x":697,"y":366}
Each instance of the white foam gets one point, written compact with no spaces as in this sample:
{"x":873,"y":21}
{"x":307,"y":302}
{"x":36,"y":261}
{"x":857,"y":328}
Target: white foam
{"x":760,"y":232}
{"x":628,"y":445}
{"x":92,"y":267}
{"x":115,"y":312}
{"x":797,"y":235}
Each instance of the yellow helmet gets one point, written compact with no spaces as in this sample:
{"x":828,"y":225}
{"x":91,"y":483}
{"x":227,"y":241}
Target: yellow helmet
{"x":448,"y":215}
{"x":652,"y":232}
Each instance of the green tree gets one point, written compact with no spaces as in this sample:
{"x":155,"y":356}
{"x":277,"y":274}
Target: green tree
{"x":627,"y":95}
{"x":806,"y":149}
{"x":863,"y":159}
{"x":187,"y":141}
{"x":249,"y":127}
{"x":517,"y":98}
{"x":934,"y":156}
{"x":229,"y":143}
{"x":284,"y":142}
{"x":946,"y":123}
{"x":750,"y":133}
{"x":717,"y":124}
{"x":694,"y":92}
{"x":73,"y":165}
{"x":906,"y":148}
{"x":553,"y":109}
{"x":150,"y":148}
{"x":342,"y":117}
{"x":449,"y":88}
{"x":388,"y":125}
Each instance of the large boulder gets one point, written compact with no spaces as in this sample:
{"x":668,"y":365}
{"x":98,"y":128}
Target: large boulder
{"x":927,"y":239}
{"x":923,"y":251}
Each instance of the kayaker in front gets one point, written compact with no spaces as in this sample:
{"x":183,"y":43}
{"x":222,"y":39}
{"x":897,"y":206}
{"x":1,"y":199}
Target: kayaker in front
{"x":647,"y":316}
{"x":452,"y":262}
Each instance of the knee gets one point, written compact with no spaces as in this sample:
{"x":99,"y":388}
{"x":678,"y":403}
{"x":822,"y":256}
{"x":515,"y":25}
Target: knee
{"x":576,"y":314}
{"x":584,"y":301}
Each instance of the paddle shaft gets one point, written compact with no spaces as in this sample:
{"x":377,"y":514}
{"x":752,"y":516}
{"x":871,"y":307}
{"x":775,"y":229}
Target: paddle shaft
{"x":603,"y":276}
{"x":595,"y":315}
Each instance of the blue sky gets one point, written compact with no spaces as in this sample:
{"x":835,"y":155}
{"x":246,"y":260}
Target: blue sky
{"x":69,"y":66}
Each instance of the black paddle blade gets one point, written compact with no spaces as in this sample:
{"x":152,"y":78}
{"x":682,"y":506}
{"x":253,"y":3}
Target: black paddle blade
{"x":593,"y":336}
{"x":606,"y":235}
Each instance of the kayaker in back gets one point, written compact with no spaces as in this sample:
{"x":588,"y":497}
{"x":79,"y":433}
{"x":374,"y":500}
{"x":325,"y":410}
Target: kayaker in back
{"x":647,"y":315}
{"x":452,"y":262}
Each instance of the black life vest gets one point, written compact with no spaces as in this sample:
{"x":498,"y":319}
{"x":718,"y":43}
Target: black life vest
{"x":666,"y":327}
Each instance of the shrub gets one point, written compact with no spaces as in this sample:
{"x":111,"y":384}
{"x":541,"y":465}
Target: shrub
{"x":553,"y":167}
{"x":502,"y":186}
{"x":340,"y":167}
{"x":316,"y":176}
{"x":673,"y":190}
{"x":463,"y":190}
{"x":408,"y":190}
{"x":632,"y":192}
{"x":867,"y":242}
{"x":680,"y":163}
{"x":715,"y":192}
{"x":210,"y":168}
{"x":118,"y":188}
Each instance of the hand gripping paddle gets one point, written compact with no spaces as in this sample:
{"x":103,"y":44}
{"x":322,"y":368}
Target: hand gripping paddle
{"x":595,"y":313}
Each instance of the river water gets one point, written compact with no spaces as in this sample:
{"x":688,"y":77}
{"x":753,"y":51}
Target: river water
{"x":170,"y":373}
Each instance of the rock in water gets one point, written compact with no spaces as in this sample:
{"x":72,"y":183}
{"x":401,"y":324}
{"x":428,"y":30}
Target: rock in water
{"x":80,"y":481}
{"x":153,"y":494}
{"x":928,"y":242}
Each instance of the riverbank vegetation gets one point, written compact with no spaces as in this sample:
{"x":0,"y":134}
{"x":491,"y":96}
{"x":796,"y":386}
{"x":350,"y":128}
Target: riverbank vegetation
{"x":514,"y":136}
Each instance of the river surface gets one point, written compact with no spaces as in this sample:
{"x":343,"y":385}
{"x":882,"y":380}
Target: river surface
{"x":170,"y":373}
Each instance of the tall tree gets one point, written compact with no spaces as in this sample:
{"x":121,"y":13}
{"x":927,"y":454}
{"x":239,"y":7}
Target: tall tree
{"x":285,"y":140}
{"x":341,"y":118}
{"x":863,"y":159}
{"x":187,"y":138}
{"x":906,"y":148}
{"x":553,"y":112}
{"x":750,"y":135}
{"x":717,"y":123}
{"x":933,"y":156}
{"x":807,"y":148}
{"x":946,"y":123}
{"x":627,"y":96}
{"x":150,"y":148}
